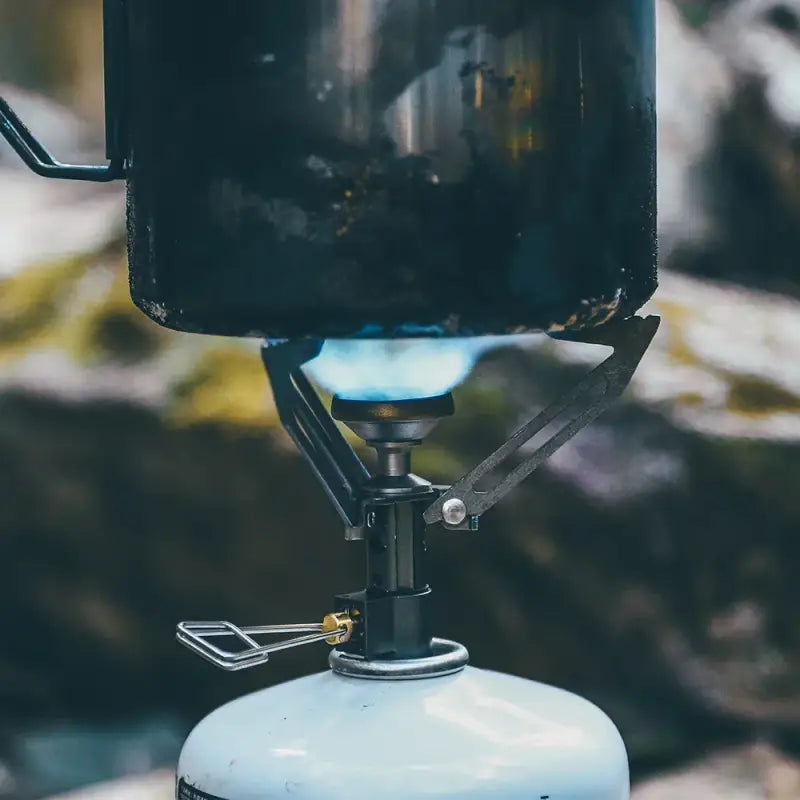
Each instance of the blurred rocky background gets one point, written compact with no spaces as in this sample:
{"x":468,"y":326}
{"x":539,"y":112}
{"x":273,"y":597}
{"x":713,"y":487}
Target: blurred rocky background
{"x":652,"y":566}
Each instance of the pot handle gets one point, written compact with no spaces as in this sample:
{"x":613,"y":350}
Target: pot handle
{"x":34,"y":153}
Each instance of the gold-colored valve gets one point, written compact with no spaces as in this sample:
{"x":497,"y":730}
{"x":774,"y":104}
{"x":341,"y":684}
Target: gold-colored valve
{"x":339,"y":624}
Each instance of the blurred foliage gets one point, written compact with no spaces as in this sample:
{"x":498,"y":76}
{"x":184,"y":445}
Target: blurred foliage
{"x":55,"y":45}
{"x":30,"y":304}
{"x":80,"y":305}
{"x":226,"y":387}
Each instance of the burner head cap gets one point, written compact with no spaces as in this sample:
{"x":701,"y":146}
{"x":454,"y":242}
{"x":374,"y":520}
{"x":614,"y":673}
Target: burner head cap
{"x":392,"y":421}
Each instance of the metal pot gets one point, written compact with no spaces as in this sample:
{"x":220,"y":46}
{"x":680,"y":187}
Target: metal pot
{"x":342,"y":168}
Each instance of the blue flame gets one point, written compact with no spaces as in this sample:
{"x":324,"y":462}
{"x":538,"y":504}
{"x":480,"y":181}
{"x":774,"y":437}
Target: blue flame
{"x":370,"y":369}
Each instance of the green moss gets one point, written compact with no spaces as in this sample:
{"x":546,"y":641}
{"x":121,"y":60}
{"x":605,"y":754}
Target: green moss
{"x":672,"y":312}
{"x":675,"y":316}
{"x":33,"y":304}
{"x":438,"y":461}
{"x":112,"y":329}
{"x":690,"y":399}
{"x":46,"y":305}
{"x":227,"y":386}
{"x":754,"y":396}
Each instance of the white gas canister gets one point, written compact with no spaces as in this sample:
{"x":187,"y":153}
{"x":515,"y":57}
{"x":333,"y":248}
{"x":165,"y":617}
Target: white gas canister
{"x":474,"y":734}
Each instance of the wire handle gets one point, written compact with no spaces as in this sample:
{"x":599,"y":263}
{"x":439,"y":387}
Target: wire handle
{"x":34,"y":153}
{"x":334,"y":629}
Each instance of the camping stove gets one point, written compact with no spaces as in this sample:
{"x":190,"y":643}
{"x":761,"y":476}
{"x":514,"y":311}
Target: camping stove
{"x":400,"y":714}
{"x":384,"y":168}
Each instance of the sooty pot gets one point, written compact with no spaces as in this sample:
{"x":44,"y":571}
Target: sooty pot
{"x":340,"y":168}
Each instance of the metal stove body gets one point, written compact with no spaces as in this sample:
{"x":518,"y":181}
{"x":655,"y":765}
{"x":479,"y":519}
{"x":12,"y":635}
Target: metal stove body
{"x":400,"y":714}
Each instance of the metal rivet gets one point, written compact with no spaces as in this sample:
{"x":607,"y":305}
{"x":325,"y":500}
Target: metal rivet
{"x":354,"y":534}
{"x":454,"y":512}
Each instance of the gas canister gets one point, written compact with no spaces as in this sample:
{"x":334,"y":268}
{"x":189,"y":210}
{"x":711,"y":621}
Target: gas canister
{"x":470,"y":736}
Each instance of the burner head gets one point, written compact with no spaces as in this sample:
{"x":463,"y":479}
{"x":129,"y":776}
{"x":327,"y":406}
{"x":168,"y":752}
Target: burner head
{"x":405,"y":422}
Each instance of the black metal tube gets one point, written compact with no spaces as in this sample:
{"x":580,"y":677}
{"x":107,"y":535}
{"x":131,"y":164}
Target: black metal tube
{"x":393,"y":461}
{"x":395,"y":544}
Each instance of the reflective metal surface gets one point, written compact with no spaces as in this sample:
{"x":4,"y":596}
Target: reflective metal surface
{"x":388,"y":167}
{"x":469,"y":736}
{"x":393,"y":422}
{"x":447,"y":658}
